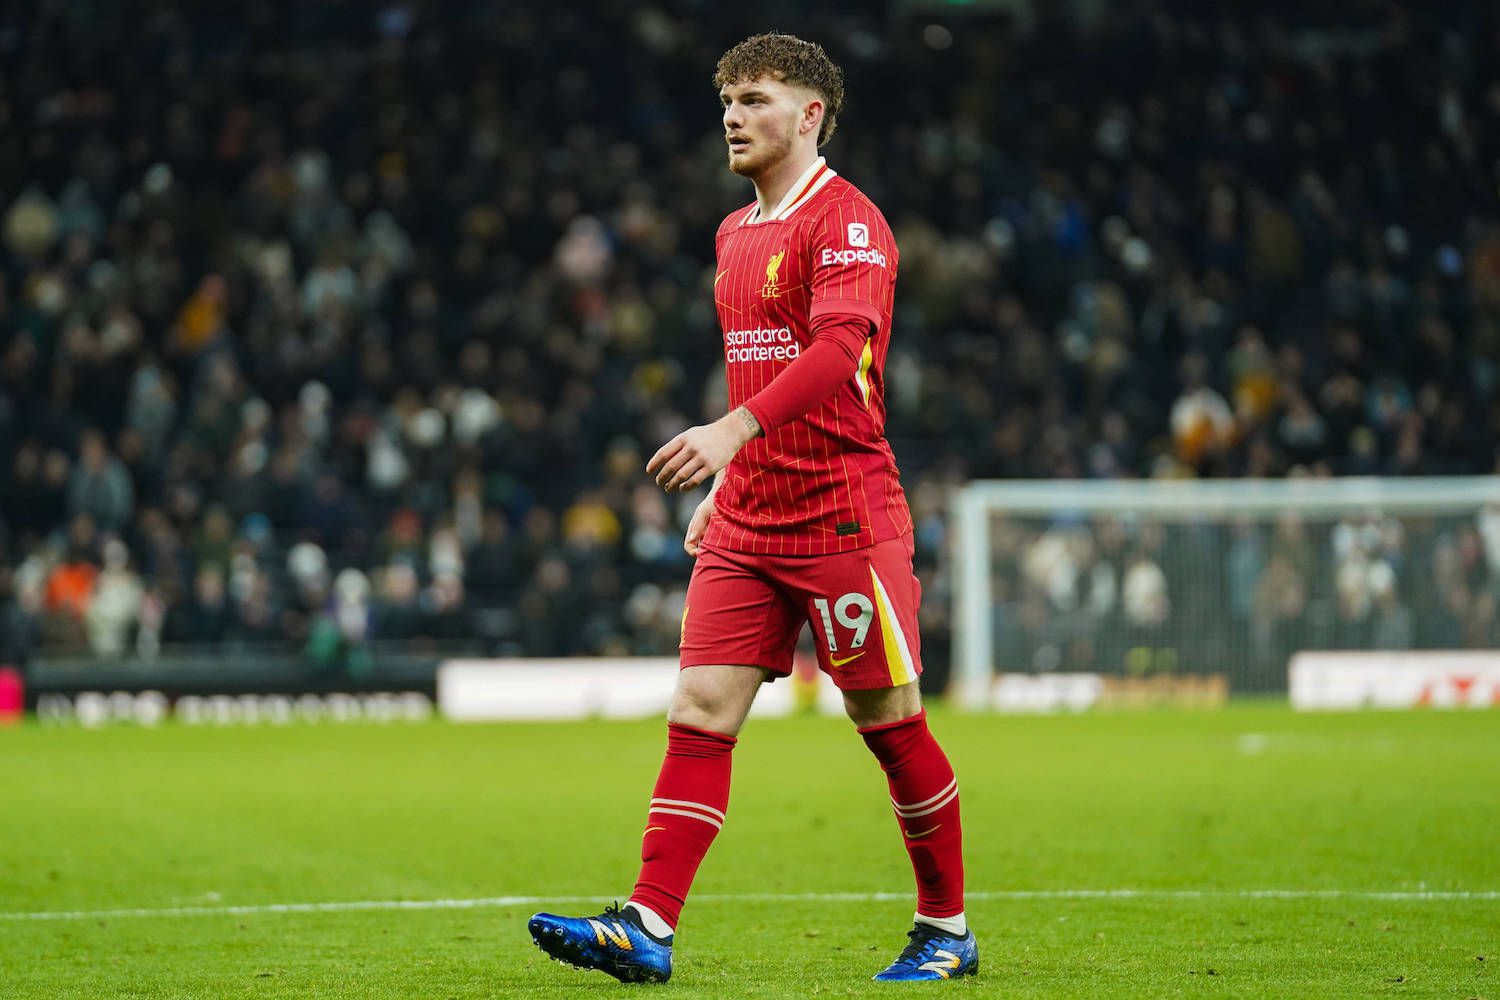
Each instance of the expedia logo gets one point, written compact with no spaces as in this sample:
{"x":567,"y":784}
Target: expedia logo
{"x":772,"y":287}
{"x":852,"y":257}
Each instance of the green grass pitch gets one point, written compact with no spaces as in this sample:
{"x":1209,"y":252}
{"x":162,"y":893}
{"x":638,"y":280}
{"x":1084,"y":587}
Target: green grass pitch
{"x":171,"y":851}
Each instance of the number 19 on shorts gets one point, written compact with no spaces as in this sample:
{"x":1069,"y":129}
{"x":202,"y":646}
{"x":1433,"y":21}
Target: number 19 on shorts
{"x":841,"y":610}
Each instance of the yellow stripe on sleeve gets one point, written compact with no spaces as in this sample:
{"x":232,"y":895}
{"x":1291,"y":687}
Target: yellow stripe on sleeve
{"x":862,"y":375}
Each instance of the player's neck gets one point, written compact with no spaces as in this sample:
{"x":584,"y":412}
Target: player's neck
{"x":773,"y":184}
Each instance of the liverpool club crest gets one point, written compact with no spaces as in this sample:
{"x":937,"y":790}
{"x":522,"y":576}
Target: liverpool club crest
{"x":772,"y":287}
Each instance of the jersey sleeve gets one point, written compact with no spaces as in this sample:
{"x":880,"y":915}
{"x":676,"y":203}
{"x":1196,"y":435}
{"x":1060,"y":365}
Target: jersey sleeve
{"x":853,"y":261}
{"x":829,"y":361}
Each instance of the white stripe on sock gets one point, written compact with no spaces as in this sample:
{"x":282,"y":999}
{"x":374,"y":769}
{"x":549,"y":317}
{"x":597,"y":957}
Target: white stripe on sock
{"x":695,"y":815}
{"x":914,"y":813}
{"x":900,"y":806}
{"x":923,"y":812}
{"x":691,"y":805}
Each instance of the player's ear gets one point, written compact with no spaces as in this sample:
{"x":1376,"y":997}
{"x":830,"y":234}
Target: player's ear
{"x":812,"y":116}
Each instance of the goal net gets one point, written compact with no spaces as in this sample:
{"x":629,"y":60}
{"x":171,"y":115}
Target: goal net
{"x":1217,"y":583}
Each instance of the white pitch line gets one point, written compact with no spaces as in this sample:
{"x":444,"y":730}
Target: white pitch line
{"x":771,"y":897}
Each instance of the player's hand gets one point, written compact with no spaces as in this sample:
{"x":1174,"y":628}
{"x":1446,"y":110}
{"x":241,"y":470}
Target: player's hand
{"x":698,"y":526}
{"x":698,"y":452}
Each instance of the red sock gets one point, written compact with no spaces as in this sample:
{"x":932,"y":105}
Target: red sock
{"x":925,"y":796}
{"x":687,"y":809}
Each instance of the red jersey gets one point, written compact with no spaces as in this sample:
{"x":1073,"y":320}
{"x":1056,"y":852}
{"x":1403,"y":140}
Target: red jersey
{"x":826,"y":482}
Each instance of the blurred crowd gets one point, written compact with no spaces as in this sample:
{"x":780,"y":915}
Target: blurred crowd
{"x":324,"y":324}
{"x":1142,"y":597}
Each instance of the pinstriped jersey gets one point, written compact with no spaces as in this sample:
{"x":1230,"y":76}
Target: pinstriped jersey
{"x":826,"y":482}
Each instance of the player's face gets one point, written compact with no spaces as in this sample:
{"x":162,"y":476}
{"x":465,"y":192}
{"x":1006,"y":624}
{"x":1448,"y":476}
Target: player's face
{"x":761,"y":119}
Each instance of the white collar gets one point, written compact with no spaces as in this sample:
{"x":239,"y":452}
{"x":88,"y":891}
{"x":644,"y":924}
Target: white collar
{"x":804,"y":187}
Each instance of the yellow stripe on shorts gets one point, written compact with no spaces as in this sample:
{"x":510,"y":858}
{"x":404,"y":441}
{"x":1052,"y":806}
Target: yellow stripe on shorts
{"x":897,"y":654}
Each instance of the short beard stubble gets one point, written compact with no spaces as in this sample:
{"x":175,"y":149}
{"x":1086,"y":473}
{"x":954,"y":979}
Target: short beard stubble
{"x":753,"y":166}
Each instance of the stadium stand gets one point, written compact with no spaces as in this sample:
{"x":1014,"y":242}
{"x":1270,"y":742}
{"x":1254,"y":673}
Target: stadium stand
{"x":324,"y":324}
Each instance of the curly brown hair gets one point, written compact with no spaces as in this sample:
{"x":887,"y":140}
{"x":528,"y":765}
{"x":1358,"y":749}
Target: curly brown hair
{"x":791,"y":60}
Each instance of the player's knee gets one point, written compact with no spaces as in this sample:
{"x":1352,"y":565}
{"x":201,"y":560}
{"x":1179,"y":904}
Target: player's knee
{"x":702,"y":708}
{"x":883,"y":706}
{"x":711,"y":699}
{"x":702,"y":713}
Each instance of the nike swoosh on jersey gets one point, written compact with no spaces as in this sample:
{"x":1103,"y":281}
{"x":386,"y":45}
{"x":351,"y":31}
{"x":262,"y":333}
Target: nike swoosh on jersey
{"x":718,"y":277}
{"x":840,"y":663}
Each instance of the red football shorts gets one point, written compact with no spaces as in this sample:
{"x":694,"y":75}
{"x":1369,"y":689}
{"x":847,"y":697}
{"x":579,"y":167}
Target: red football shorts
{"x":746,"y":609}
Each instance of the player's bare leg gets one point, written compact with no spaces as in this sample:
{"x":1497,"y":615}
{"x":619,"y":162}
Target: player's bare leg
{"x":882,"y":706}
{"x":633,"y":943}
{"x":716,"y":699}
{"x":924,"y":794}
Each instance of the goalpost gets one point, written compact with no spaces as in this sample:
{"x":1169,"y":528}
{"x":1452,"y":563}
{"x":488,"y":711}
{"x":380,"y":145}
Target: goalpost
{"x":1221,"y":578}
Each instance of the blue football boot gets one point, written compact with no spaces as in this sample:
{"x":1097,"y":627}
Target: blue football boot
{"x":933,"y":953}
{"x":613,"y":942}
